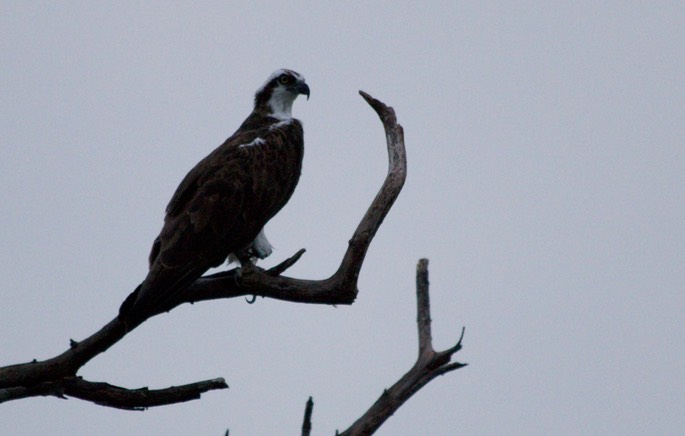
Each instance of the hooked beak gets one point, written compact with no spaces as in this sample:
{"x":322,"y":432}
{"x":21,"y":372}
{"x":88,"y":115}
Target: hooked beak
{"x":302,"y":88}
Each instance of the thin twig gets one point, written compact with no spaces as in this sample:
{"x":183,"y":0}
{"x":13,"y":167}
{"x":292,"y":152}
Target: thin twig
{"x":281,"y":267}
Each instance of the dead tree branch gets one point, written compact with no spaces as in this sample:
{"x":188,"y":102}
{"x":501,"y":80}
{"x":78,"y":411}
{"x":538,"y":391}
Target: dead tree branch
{"x":307,"y":420}
{"x":105,"y":394}
{"x":57,"y":375}
{"x":429,"y":365}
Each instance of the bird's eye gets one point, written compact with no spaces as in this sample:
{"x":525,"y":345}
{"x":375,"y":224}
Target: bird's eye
{"x":284,"y":80}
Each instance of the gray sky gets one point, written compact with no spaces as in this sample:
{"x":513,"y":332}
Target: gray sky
{"x":546,"y":186}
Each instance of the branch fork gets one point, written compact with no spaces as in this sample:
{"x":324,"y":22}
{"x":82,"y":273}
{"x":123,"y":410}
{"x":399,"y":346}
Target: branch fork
{"x":429,"y":364}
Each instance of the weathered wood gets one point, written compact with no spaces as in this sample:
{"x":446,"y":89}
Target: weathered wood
{"x":429,"y":365}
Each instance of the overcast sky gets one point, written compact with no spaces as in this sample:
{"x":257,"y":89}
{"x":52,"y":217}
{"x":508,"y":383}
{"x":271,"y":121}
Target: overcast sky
{"x":546,"y":185}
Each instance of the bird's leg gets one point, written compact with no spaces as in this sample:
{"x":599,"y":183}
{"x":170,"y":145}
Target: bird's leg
{"x":246,"y":265}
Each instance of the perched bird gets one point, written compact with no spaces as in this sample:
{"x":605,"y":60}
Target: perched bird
{"x":220,"y":208}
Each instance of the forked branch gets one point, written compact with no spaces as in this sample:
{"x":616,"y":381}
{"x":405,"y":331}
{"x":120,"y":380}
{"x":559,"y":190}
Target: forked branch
{"x":57,"y":376}
{"x":429,"y":364}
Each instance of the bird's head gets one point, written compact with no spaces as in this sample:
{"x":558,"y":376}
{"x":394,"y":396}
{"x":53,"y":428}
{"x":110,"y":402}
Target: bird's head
{"x":276,"y":96}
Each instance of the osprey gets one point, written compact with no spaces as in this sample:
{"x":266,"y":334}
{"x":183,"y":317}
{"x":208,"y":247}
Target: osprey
{"x":219,"y":210}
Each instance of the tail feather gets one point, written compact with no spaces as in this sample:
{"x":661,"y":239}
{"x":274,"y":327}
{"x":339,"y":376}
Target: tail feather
{"x":160,"y":286}
{"x":126,"y":306}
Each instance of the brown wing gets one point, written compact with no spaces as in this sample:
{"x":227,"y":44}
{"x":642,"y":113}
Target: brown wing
{"x":220,"y":207}
{"x":205,"y":205}
{"x":224,"y":202}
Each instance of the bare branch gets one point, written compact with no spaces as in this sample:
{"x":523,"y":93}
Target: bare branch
{"x":423,"y":318}
{"x":281,"y":267}
{"x":307,"y":421}
{"x":108,"y":395}
{"x":429,"y":365}
{"x":34,"y":378}
{"x":105,"y":394}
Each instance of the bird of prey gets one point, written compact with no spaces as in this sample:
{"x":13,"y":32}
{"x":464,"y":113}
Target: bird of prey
{"x":219,"y":210}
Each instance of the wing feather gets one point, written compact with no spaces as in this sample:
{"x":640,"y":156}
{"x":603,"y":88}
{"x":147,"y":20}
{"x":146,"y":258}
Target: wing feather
{"x":225,"y":200}
{"x":222,"y":204}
